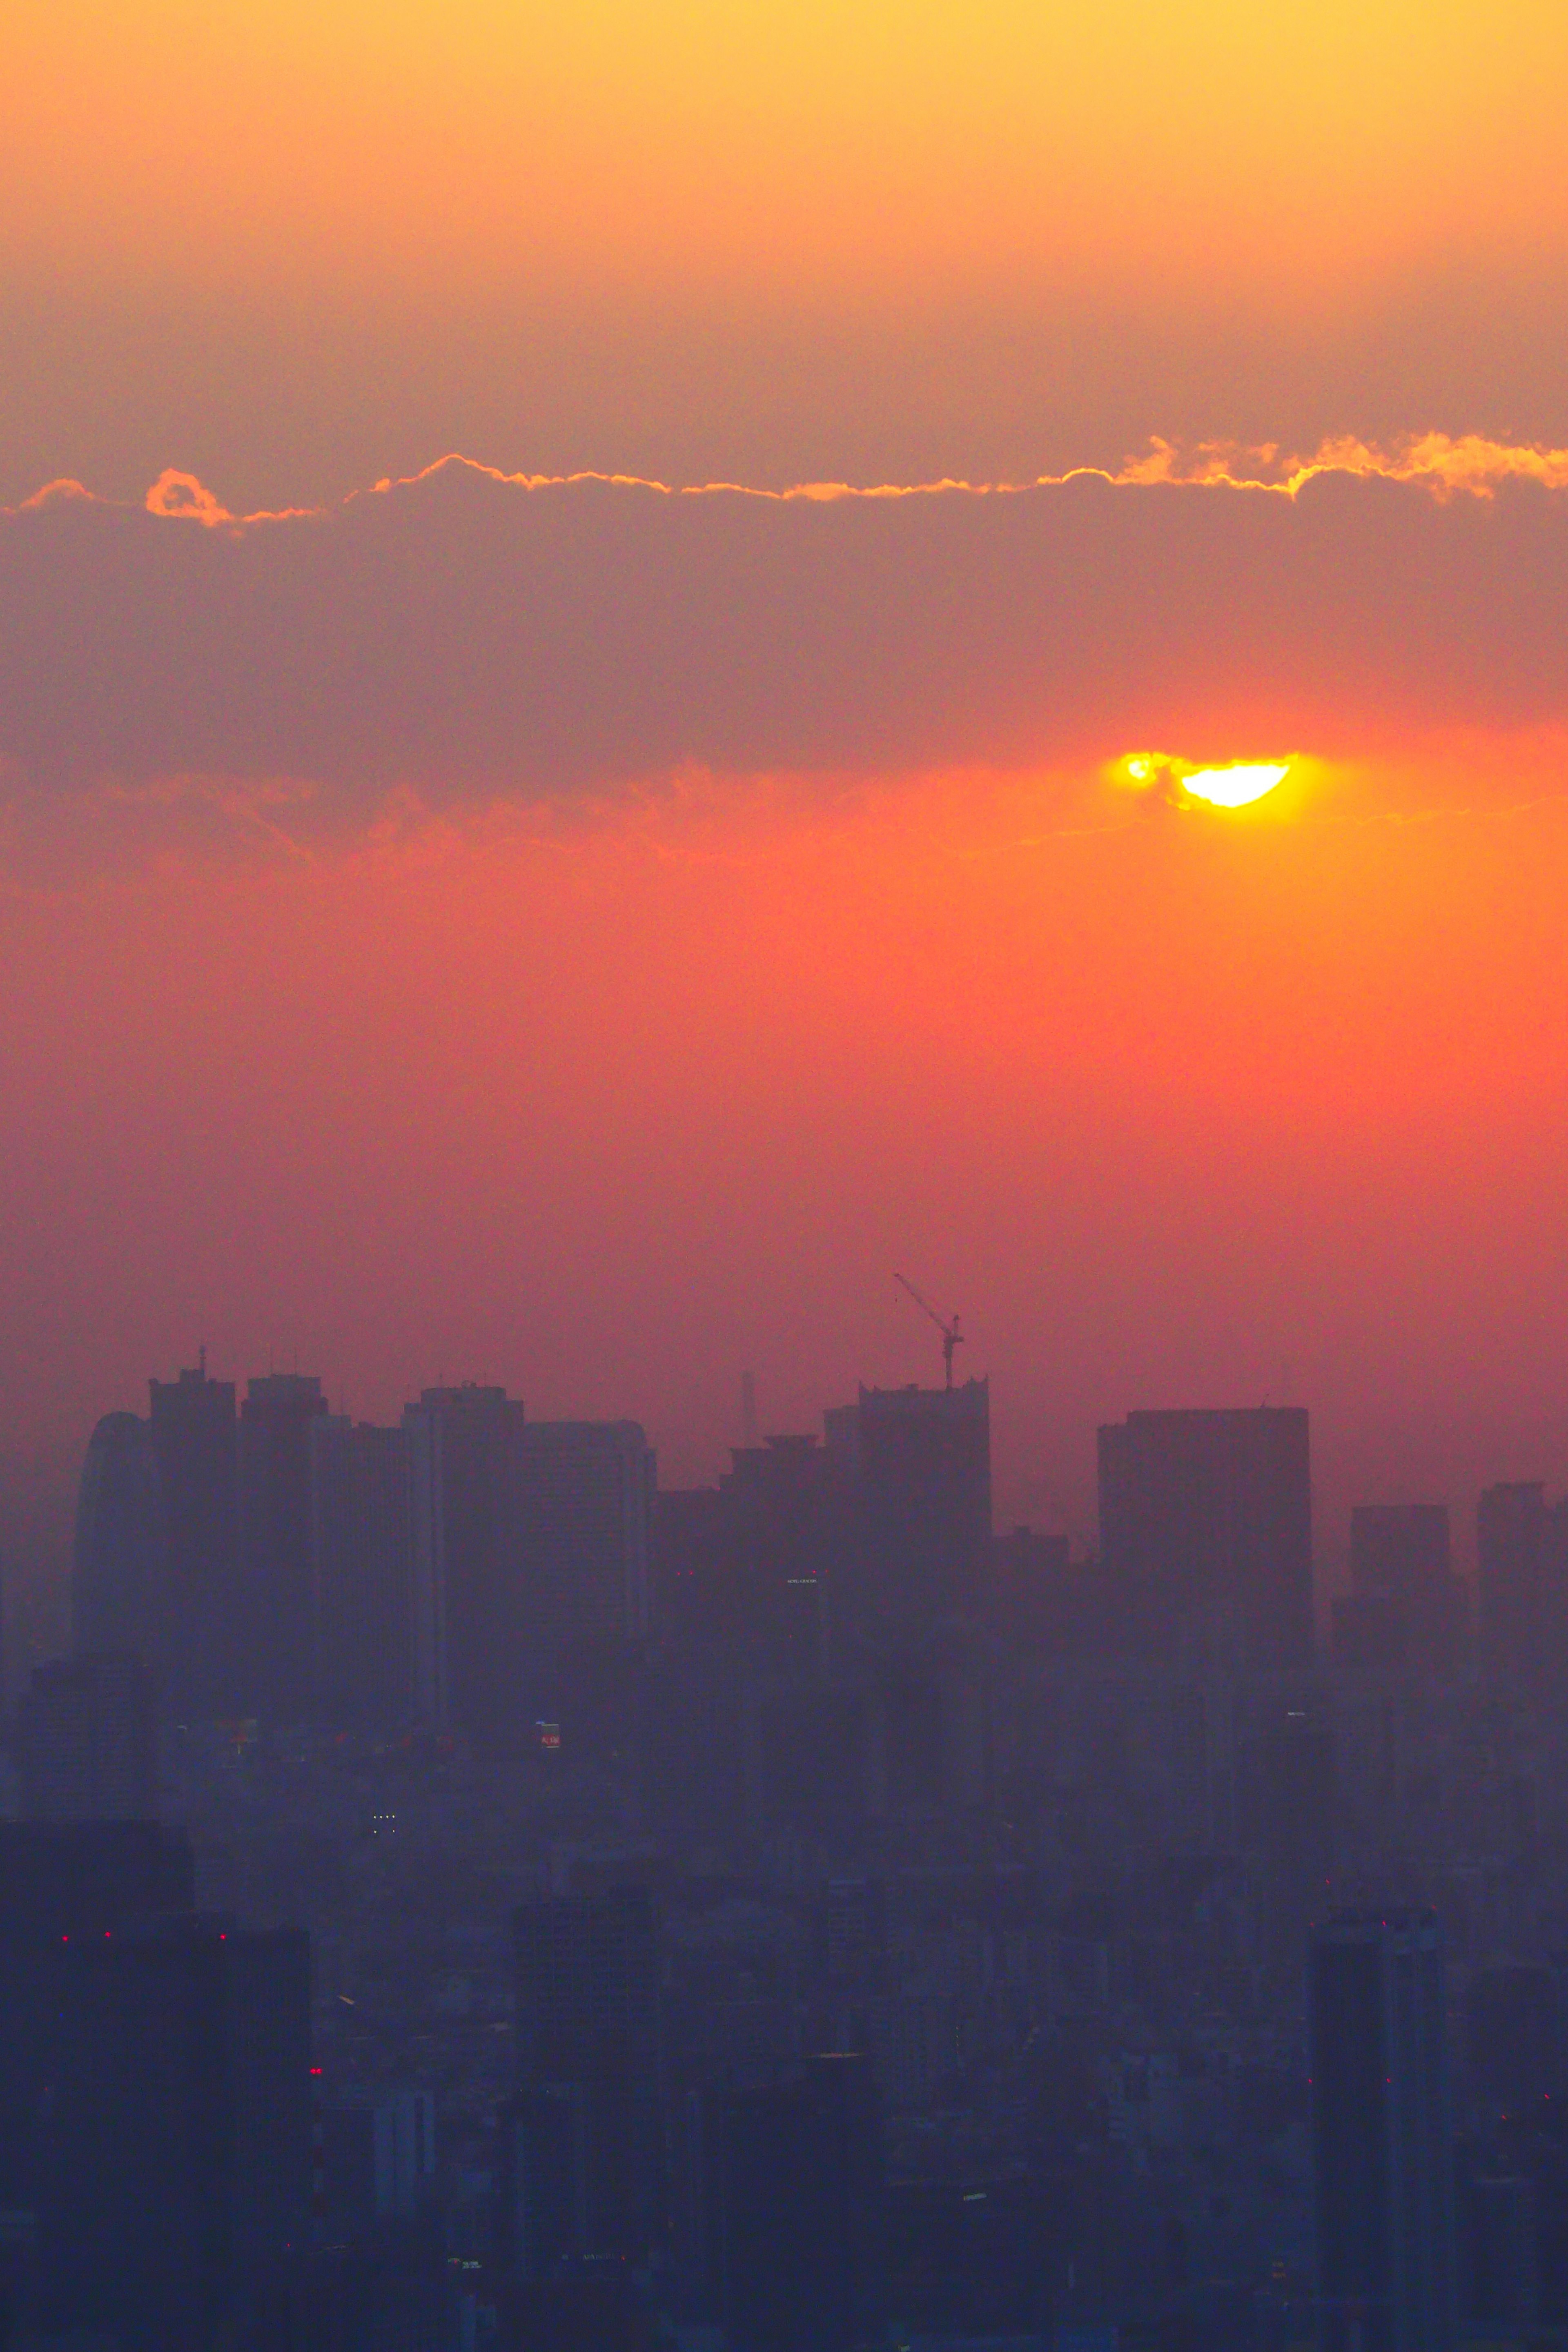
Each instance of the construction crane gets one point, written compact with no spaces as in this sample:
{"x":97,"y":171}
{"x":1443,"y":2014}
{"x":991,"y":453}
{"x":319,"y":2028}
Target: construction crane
{"x":952,"y":1337}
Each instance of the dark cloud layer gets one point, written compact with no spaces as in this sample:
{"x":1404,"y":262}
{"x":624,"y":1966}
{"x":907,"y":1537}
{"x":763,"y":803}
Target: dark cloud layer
{"x":469,"y":636}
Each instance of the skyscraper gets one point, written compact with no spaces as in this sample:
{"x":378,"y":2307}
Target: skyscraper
{"x":119,"y":1578}
{"x":1205,"y":1523}
{"x":177,"y":2159}
{"x":85,"y":1740}
{"x":584,"y":1514}
{"x":1400,"y":1555}
{"x":918,"y":1465}
{"x":588,"y":2034}
{"x":61,"y":1882}
{"x":1380,"y":2148}
{"x":192,"y":1427}
{"x":361,"y":1546}
{"x":467,"y":1567}
{"x":1521,"y":1546}
{"x":275,"y":1425}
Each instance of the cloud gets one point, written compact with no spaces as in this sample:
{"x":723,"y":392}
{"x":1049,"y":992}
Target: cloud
{"x":464,"y":636}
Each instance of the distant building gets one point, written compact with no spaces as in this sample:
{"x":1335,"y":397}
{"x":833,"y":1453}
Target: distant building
{"x":1401,"y":1559}
{"x":1522,"y":1545}
{"x":275,"y":1426}
{"x":589,"y":2057}
{"x":193,"y":1434}
{"x":584,"y":1501}
{"x":119,"y":1578}
{"x":176,"y":2170}
{"x":1381,"y":2135}
{"x":87,"y":1742}
{"x":362,"y":1567}
{"x":469,"y":1610}
{"x":1206,"y":1522}
{"x":918,"y":1462}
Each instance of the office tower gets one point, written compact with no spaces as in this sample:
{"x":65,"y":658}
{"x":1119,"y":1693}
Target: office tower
{"x":588,"y":2029}
{"x":546,"y":2216}
{"x":1400,"y":1556}
{"x":1381,"y":2147}
{"x":1206,"y":1524}
{"x":362,"y":1556}
{"x":193,"y":1433}
{"x":86,"y":1742}
{"x":379,"y":2160}
{"x":469,"y":1607}
{"x":918,"y":1464}
{"x":1521,"y":1544}
{"x":794,"y":2177}
{"x":584,"y":1517}
{"x":121,"y":1569}
{"x":176,"y":2177}
{"x":275,"y":1425}
{"x":58,"y":1881}
{"x":1514,"y":2035}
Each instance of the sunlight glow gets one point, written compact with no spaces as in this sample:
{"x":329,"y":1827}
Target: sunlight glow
{"x":1233,"y":787}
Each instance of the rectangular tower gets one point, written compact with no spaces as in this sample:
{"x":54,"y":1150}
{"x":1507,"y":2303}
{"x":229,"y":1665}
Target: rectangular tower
{"x":193,"y":1434}
{"x":462,"y":1446}
{"x":584,"y":1508}
{"x":1381,"y":2146}
{"x":362,"y":1551}
{"x":1205,"y":1523}
{"x":275,"y":1424}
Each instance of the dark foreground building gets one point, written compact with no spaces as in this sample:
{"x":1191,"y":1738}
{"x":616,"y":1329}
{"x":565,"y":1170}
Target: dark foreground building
{"x":1381,"y":2146}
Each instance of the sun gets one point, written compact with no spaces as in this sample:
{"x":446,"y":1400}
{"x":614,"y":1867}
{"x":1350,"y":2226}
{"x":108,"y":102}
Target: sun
{"x":1237,"y":786}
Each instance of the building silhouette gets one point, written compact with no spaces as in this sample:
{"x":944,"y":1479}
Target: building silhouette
{"x":589,"y":2055}
{"x":917,"y":1465}
{"x":177,"y":2146}
{"x":1205,"y":1528}
{"x":192,"y":1425}
{"x":58,"y":1883}
{"x":87,"y":1741}
{"x":120,"y":1571}
{"x":361,"y":1571}
{"x":1381,"y":2134}
{"x":1522,"y":1550}
{"x":469,"y":1620}
{"x":1401,"y":1564}
{"x":583,"y":1502}
{"x":275,"y":1425}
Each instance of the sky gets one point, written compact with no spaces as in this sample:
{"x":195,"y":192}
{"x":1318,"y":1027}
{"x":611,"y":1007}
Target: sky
{"x":577,"y":589}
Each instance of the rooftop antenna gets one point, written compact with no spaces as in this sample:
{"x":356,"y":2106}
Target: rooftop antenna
{"x":952,"y":1337}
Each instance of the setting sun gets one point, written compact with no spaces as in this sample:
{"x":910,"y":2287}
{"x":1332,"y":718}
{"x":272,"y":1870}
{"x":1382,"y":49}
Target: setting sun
{"x":1234,"y":787}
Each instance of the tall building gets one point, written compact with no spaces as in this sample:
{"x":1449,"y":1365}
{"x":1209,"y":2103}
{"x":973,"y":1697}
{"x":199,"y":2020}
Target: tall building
{"x":120,"y":1572}
{"x":589,"y":2059}
{"x":918,"y":1465}
{"x":275,"y":1425}
{"x":1401,"y":1558}
{"x":85,"y":1740}
{"x":361,"y":1554}
{"x":795,"y":2189}
{"x":176,"y":2173}
{"x":1206,"y":1524}
{"x":1381,"y":2134}
{"x":59,"y":1883}
{"x":193,"y":1434}
{"x":584,"y":1525}
{"x":1521,"y":1546}
{"x":467,"y":1598}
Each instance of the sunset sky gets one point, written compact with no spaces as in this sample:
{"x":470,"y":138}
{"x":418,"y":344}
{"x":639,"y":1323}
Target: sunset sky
{"x":518,"y":864}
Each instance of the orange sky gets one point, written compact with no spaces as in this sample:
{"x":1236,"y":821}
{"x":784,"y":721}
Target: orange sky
{"x":588,"y":938}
